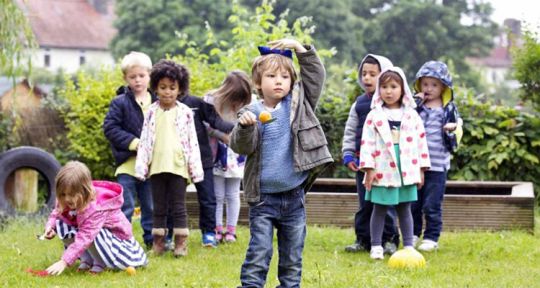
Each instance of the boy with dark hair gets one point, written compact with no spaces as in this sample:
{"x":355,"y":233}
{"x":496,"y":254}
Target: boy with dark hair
{"x":368,"y":72}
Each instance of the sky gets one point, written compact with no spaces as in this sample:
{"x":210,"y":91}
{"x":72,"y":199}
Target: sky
{"x":524,"y":10}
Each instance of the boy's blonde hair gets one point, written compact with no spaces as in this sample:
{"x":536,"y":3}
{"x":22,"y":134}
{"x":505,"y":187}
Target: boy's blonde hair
{"x":74,"y":179}
{"x":135,"y":59}
{"x":271,"y":62}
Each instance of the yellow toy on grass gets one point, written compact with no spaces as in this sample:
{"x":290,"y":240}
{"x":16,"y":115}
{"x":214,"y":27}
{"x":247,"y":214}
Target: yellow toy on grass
{"x":407,"y":258}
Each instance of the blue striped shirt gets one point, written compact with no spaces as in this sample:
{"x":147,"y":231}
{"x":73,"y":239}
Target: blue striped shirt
{"x":433,"y":119}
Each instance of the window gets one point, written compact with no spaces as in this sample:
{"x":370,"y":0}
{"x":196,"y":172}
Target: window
{"x":47,"y":58}
{"x":82,"y":58}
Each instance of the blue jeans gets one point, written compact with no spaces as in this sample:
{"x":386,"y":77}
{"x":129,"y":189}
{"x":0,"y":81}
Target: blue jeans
{"x":284,"y":211}
{"x":429,"y":205}
{"x":207,"y":202}
{"x":140,"y":189}
{"x":362,"y":218}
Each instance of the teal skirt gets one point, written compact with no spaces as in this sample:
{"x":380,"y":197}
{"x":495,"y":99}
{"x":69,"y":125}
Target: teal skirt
{"x":393,"y":195}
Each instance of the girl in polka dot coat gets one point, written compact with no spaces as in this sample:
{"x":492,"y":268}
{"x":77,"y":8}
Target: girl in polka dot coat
{"x":393,"y":155}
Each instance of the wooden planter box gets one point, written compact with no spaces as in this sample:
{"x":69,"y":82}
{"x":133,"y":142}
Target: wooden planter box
{"x":468,"y":205}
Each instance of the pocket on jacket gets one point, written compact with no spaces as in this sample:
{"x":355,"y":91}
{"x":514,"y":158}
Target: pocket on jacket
{"x":311,"y":137}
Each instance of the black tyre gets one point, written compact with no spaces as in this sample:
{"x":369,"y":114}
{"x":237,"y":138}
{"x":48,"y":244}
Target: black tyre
{"x":28,"y":157}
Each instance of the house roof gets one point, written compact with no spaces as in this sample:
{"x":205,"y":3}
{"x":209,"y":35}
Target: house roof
{"x":6,"y":84}
{"x":499,"y":57}
{"x":68,"y":24}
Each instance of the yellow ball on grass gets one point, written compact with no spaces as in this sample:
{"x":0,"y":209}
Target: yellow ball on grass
{"x":131,"y":271}
{"x":407,"y":258}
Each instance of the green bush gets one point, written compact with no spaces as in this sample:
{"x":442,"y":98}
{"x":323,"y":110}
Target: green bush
{"x":499,"y":143}
{"x":88,"y":99}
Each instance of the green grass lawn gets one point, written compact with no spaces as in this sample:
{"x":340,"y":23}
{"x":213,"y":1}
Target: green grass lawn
{"x":471,"y":259}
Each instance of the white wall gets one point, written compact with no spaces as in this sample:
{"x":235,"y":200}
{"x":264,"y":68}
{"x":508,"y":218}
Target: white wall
{"x":69,"y":59}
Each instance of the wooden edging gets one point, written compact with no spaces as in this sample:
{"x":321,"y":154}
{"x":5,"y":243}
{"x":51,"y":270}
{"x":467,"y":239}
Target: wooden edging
{"x":460,"y":212}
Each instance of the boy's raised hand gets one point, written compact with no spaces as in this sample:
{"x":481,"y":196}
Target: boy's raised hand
{"x":247,"y":119}
{"x":287,"y":44}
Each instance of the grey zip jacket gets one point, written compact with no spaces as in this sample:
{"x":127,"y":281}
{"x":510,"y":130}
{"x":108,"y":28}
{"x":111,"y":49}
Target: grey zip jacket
{"x":310,"y":151}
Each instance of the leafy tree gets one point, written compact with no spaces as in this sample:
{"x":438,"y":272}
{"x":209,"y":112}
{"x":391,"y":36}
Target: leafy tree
{"x":338,"y":24}
{"x":151,"y":26}
{"x":16,"y":37}
{"x":249,"y":30}
{"x":412,"y":32}
{"x":527,"y":69}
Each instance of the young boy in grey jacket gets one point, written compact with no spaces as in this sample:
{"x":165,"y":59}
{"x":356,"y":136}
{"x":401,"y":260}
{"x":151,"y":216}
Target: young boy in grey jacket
{"x":284,"y":157}
{"x":368,"y":71}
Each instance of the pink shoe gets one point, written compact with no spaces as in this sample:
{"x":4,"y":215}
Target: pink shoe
{"x":219,"y":234}
{"x":219,"y":237}
{"x":230,"y":237}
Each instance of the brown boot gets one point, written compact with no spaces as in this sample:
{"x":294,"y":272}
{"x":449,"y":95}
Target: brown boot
{"x":158,"y":245}
{"x":180,"y":241}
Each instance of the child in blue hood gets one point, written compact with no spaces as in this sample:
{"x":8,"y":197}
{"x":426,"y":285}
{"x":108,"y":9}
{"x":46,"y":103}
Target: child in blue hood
{"x":368,"y":71}
{"x":443,"y":130}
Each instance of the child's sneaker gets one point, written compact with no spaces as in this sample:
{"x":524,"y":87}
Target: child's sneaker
{"x":390,"y":248}
{"x":96,"y":269}
{"x":219,"y":237}
{"x":230,"y":235}
{"x":428,"y":245}
{"x":357,"y":246}
{"x":169,"y":245}
{"x":84,"y":266}
{"x":230,"y":238}
{"x":219,"y":234}
{"x":209,"y":240}
{"x":376,"y":253}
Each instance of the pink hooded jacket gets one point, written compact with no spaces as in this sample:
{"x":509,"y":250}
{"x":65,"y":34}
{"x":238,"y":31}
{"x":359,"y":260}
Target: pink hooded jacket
{"x":377,"y":148}
{"x":104,"y":212}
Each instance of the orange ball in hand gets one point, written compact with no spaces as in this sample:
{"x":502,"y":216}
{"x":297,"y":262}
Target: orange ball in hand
{"x":265,"y":116}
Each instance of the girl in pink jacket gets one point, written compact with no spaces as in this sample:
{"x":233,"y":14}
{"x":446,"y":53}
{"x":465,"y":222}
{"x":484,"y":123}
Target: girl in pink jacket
{"x":393,"y":155}
{"x":89,"y":220}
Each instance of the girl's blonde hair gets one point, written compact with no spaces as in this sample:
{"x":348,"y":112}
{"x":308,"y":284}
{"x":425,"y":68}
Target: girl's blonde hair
{"x":234,"y":92}
{"x":74,"y":180}
{"x":271,"y":62}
